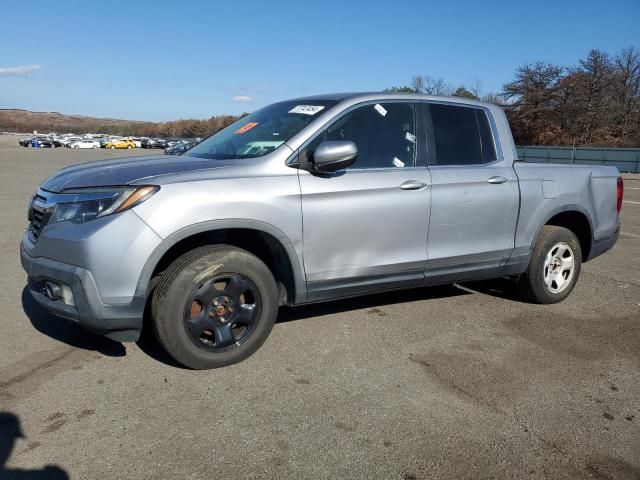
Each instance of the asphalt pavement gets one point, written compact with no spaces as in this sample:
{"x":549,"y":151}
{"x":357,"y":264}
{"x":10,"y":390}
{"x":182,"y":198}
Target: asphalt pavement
{"x":461,"y":381}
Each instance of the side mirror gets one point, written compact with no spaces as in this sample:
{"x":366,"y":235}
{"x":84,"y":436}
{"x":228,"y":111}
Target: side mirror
{"x":332,"y":156}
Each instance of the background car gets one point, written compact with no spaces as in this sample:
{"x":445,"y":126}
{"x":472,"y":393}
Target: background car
{"x":179,"y":148}
{"x":85,"y":144}
{"x":122,"y":143}
{"x":138,"y":141}
{"x":37,"y":141}
{"x":65,"y":141}
{"x":154,"y":143}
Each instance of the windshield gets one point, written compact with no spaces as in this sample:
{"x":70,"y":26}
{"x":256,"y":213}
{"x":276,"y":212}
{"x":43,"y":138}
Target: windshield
{"x":260,"y":132}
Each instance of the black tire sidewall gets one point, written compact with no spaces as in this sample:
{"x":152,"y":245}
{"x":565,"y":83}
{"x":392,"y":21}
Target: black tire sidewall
{"x":169,"y":311}
{"x":549,"y":237}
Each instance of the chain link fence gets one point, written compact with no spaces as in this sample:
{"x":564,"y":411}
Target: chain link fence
{"x":626,"y":159}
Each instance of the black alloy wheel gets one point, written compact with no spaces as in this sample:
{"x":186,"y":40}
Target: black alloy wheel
{"x":222,"y":312}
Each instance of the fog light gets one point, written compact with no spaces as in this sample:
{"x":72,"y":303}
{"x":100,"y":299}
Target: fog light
{"x":58,"y":292}
{"x":52,"y":290}
{"x":67,"y":295}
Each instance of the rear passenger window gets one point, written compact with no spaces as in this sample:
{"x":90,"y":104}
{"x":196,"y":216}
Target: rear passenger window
{"x":384,"y":133}
{"x":486,"y":138}
{"x":462,"y":136}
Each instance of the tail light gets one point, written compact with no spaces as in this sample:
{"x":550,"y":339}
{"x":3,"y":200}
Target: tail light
{"x":620,"y":194}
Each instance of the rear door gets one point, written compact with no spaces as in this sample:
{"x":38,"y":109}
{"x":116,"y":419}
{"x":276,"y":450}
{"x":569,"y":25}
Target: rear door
{"x":365,"y":228}
{"x":474,"y":193}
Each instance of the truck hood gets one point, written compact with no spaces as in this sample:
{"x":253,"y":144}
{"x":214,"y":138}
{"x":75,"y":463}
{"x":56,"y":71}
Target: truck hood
{"x":124,"y":171}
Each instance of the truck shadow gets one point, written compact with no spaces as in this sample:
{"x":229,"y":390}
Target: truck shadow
{"x":289,"y":314}
{"x":66,"y":331}
{"x":499,"y":288}
{"x":74,"y":335}
{"x":149,"y":344}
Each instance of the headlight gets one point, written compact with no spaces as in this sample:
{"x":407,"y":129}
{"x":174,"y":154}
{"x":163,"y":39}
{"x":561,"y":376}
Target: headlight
{"x":87,"y":204}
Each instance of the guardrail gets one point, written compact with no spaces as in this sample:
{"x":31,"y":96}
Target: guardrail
{"x":626,"y":159}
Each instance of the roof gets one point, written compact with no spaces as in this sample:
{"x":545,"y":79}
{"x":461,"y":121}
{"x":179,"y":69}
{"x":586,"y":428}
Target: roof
{"x":357,"y":97}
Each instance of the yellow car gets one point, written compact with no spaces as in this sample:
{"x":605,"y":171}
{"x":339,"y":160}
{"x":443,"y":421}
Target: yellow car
{"x":122,"y":143}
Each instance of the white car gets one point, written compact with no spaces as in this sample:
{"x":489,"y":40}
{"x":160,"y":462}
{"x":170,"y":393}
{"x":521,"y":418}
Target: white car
{"x":85,"y":144}
{"x":138,"y":141}
{"x":66,"y":142}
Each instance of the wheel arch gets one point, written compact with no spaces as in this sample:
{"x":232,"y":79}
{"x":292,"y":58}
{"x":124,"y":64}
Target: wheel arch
{"x":264,"y":240}
{"x":576,"y":219}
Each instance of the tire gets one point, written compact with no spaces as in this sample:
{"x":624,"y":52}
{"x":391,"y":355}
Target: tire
{"x":112,"y":147}
{"x":196,"y":333}
{"x":76,"y":146}
{"x":128,"y":147}
{"x":94,"y":147}
{"x":554,"y":267}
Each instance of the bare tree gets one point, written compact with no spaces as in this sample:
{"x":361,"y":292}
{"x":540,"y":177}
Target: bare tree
{"x":530,"y":98}
{"x":626,"y":91}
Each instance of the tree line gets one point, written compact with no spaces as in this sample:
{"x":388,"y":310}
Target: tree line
{"x":24,"y":122}
{"x":595,"y":102}
{"x":186,"y":128}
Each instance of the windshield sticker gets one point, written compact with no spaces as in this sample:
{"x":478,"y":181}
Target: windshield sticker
{"x":380,"y":109}
{"x":397,"y":162}
{"x":307,"y":109}
{"x":246,"y":128}
{"x":411,"y":137}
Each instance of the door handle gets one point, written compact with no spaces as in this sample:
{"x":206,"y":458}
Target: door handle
{"x":412,"y":185}
{"x":495,"y":180}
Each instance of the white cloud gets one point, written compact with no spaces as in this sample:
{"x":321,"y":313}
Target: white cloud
{"x":242,"y":98}
{"x":22,"y":70}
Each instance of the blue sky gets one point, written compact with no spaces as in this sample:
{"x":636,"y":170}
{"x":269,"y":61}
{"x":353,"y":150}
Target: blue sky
{"x":167,"y":60}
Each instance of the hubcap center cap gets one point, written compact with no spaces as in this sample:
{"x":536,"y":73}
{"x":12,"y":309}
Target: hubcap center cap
{"x":223,"y":307}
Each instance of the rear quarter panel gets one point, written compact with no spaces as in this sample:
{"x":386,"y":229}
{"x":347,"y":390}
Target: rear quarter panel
{"x":547,"y":189}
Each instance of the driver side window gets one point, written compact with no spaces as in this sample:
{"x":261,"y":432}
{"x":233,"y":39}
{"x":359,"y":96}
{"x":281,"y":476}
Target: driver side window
{"x":384,"y":133}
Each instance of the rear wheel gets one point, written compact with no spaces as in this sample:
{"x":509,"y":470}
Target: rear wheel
{"x":214,"y":306}
{"x":112,"y":147}
{"x":128,"y":147}
{"x":554,"y":267}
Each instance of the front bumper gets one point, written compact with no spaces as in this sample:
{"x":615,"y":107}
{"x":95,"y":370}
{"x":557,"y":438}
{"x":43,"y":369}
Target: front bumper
{"x":121,"y":322}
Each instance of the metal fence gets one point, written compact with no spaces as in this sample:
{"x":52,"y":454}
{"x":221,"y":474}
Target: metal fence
{"x":626,"y":159}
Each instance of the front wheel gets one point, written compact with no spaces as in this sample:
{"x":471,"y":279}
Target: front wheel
{"x":214,"y":306}
{"x":112,"y":147}
{"x":128,"y":147}
{"x":554,"y":267}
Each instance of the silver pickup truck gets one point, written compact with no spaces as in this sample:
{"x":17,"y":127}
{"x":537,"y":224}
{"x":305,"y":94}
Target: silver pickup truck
{"x":309,"y":200}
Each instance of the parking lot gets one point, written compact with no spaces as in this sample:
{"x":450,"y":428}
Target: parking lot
{"x":460,"y":381}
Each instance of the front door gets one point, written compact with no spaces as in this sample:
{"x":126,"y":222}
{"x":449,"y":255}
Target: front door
{"x":365,"y":228}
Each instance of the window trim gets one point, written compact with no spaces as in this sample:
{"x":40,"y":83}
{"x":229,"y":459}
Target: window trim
{"x":293,"y":161}
{"x":492,"y":127}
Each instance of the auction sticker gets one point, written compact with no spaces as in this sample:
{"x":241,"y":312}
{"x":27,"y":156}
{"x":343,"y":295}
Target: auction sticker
{"x":397,"y":162}
{"x":246,"y":128}
{"x":307,"y":109}
{"x":380,"y":109}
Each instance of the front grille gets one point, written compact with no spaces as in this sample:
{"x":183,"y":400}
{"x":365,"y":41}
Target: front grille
{"x":39,"y":215}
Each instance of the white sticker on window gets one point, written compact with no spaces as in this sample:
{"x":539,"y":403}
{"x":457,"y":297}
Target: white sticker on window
{"x":397,"y":162}
{"x":380,"y":109}
{"x":306,"y":109}
{"x":411,"y":137}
